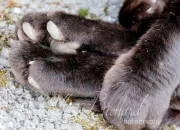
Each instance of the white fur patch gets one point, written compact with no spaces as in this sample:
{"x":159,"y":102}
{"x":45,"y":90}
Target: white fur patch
{"x":69,"y":47}
{"x":33,"y":82}
{"x":54,"y":31}
{"x":29,"y":31}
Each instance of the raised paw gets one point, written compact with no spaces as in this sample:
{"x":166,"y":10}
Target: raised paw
{"x":32,"y":27}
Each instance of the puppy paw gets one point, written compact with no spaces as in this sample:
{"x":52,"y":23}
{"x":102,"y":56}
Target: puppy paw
{"x":32,"y":27}
{"x":49,"y":27}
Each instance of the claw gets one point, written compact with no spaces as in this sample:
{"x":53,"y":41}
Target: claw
{"x":54,"y":31}
{"x":33,"y":82}
{"x":29,"y":31}
{"x":70,"y":47}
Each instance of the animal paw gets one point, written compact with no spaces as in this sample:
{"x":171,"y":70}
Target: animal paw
{"x":39,"y":27}
{"x":32,"y":27}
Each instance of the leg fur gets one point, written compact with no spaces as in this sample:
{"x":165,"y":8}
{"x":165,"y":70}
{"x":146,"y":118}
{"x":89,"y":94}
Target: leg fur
{"x":60,"y":27}
{"x":140,"y":84}
{"x":81,"y":74}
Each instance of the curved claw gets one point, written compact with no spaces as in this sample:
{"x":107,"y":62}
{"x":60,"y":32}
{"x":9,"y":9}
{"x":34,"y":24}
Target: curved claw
{"x":29,"y":31}
{"x":54,"y":31}
{"x":69,"y":47}
{"x":33,"y":82}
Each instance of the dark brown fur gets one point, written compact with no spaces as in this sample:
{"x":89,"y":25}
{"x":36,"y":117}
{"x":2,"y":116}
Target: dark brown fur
{"x":92,"y":35}
{"x":139,"y":86}
{"x":82,"y":74}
